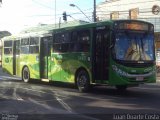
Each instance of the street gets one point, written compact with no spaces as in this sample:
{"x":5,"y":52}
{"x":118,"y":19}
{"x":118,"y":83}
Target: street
{"x":39,"y":100}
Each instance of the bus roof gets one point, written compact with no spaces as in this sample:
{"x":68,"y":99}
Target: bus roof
{"x":48,"y":29}
{"x":12,"y":37}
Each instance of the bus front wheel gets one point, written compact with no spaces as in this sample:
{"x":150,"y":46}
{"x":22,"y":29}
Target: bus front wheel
{"x":82,"y":81}
{"x":25,"y":74}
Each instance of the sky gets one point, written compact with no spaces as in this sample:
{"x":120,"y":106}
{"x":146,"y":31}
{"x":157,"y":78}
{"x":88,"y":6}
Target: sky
{"x":15,"y":15}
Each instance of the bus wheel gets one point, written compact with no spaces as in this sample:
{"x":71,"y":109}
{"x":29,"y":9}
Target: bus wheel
{"x":82,"y":81}
{"x":25,"y":74}
{"x":121,"y":87}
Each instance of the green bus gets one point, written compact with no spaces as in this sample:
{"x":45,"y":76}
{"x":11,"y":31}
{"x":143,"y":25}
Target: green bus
{"x":118,"y":53}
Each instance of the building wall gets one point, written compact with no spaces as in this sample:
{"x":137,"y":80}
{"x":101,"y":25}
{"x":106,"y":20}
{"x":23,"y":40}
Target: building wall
{"x":131,"y":9}
{"x":120,"y":9}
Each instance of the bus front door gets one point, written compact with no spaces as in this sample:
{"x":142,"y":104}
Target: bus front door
{"x":101,"y":55}
{"x":16,"y":58}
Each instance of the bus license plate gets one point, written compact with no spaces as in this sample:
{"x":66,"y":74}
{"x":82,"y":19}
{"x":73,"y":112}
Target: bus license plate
{"x":139,"y":78}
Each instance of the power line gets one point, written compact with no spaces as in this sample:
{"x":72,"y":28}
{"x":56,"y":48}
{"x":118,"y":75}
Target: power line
{"x":43,"y":5}
{"x":133,"y":3}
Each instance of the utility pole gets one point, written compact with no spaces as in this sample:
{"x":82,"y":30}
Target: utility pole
{"x":73,"y":5}
{"x":0,"y":3}
{"x":94,"y":11}
{"x":55,"y":7}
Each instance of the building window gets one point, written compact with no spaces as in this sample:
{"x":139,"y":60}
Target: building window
{"x":133,"y":13}
{"x":114,"y":15}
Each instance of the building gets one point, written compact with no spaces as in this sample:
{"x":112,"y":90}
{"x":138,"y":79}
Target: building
{"x":147,"y":10}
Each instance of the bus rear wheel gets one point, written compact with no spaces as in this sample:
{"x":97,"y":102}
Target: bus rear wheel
{"x":82,"y":81}
{"x":25,"y":74}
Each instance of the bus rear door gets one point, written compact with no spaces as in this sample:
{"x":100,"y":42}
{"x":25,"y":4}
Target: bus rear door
{"x":16,"y":57}
{"x":44,"y":57}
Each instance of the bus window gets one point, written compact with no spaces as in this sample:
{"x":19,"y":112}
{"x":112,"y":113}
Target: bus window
{"x":7,"y":47}
{"x":34,"y":45}
{"x":7,"y":43}
{"x":18,"y":47}
{"x":25,"y":46}
{"x":25,"y":50}
{"x":7,"y":50}
{"x":25,"y":41}
{"x":80,"y":41}
{"x":61,"y":42}
{"x":83,"y":40}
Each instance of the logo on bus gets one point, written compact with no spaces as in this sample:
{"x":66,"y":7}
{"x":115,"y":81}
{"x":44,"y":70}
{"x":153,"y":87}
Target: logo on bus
{"x":7,"y":60}
{"x":147,"y":69}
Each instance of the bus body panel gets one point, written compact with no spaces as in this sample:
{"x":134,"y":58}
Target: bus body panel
{"x":32,"y":62}
{"x":119,"y":75}
{"x":7,"y":63}
{"x":64,"y":66}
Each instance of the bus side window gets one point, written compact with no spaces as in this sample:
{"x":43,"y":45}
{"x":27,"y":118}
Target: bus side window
{"x":7,"y":47}
{"x":74,"y":36}
{"x":56,"y":43}
{"x":61,"y":42}
{"x":25,"y":46}
{"x":66,"y":42}
{"x":8,"y":51}
{"x":80,"y":41}
{"x":34,"y":45}
{"x":74,"y":46}
{"x":18,"y":47}
{"x":83,"y":40}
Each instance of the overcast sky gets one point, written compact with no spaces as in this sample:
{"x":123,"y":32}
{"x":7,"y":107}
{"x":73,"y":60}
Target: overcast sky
{"x":17,"y":14}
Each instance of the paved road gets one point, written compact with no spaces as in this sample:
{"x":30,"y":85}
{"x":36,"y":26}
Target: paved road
{"x":47,"y":101}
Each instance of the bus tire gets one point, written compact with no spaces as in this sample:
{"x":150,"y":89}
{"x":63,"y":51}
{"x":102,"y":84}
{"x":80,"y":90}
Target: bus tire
{"x":82,"y":80}
{"x":121,"y":87}
{"x":25,"y":74}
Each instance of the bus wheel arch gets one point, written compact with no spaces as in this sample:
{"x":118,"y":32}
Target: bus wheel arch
{"x":25,"y":74}
{"x":82,"y":80}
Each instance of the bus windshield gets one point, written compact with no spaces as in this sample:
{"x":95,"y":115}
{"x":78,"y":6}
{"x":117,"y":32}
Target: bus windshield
{"x":131,"y":46}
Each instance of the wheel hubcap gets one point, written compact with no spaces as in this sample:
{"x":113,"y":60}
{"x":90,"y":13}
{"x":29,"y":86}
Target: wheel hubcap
{"x":82,"y":81}
{"x":26,"y":75}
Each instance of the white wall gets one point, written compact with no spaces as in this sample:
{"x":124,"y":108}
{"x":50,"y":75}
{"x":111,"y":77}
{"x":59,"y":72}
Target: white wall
{"x":123,"y":6}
